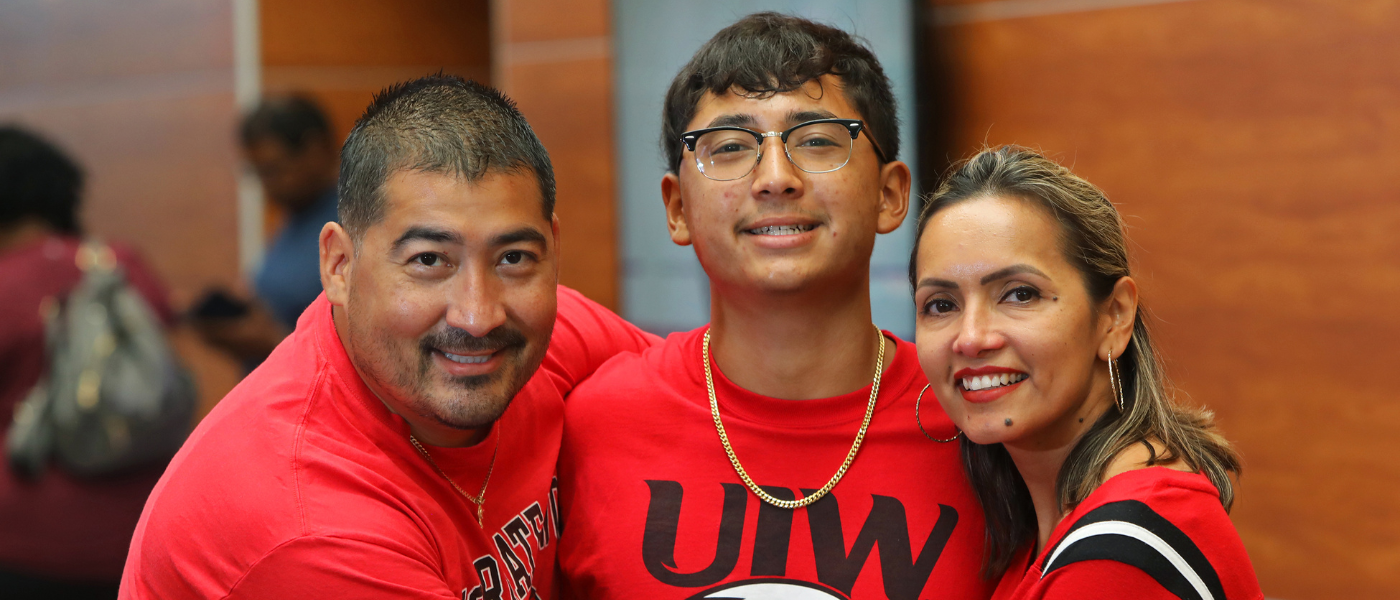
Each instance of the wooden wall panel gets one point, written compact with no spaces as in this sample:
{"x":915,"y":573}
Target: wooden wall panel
{"x":343,"y":52}
{"x":141,"y":95}
{"x":1252,"y":146}
{"x":553,"y":58}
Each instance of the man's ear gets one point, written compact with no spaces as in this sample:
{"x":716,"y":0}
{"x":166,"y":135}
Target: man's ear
{"x":895,"y":180}
{"x":1118,"y":316}
{"x":337,"y":262}
{"x":675,"y":209}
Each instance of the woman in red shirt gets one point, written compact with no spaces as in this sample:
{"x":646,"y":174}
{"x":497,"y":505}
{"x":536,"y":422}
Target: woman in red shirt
{"x":1095,"y":484}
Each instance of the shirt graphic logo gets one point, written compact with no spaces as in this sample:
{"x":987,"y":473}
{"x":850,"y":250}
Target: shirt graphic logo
{"x":508,"y":573}
{"x":769,"y":589}
{"x":885,"y":528}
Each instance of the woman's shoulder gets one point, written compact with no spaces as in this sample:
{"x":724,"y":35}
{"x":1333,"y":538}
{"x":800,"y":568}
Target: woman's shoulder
{"x":1164,"y":522}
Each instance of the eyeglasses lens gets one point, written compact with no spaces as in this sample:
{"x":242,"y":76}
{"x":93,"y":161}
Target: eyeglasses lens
{"x":731,"y":154}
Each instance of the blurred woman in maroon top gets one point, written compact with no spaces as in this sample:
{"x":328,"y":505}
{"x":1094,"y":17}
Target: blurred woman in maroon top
{"x":60,"y":537}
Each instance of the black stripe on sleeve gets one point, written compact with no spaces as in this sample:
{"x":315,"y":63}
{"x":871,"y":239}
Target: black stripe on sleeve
{"x":1130,"y":551}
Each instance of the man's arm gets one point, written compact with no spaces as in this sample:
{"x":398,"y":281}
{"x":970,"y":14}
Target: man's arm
{"x":341,"y":568}
{"x":585,"y":336}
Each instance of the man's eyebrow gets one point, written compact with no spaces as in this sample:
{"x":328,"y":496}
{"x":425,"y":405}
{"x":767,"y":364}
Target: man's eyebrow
{"x":732,"y":120}
{"x":430,"y":234}
{"x":524,"y":234}
{"x":1003,"y":273}
{"x":802,"y":116}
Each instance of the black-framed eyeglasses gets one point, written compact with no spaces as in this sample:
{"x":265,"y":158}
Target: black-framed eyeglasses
{"x":821,"y":146}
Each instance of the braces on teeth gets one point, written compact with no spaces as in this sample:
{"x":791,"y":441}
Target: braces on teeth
{"x":781,"y":229}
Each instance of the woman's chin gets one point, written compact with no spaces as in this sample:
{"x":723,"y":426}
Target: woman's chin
{"x":990,"y":430}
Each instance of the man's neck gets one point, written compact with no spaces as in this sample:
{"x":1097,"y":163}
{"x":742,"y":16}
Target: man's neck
{"x":796,"y":346}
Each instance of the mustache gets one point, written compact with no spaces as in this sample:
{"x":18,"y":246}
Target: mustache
{"x":458,"y":341}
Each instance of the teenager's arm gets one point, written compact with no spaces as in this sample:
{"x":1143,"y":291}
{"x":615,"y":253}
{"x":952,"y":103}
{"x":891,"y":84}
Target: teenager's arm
{"x":585,"y":336}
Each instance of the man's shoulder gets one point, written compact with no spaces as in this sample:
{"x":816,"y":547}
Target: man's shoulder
{"x":275,"y":463}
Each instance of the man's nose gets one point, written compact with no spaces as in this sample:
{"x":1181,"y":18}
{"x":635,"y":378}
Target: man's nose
{"x":776,"y":176}
{"x":477,"y":303}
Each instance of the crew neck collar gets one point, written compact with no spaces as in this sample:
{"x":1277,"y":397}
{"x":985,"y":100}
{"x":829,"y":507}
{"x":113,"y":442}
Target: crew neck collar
{"x":737,"y":402}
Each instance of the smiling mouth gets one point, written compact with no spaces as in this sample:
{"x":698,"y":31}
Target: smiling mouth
{"x":779,"y":230}
{"x":467,"y":360}
{"x":987,"y":382}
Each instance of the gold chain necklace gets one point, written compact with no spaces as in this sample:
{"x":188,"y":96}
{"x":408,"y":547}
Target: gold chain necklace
{"x":480,"y":500}
{"x":850,"y":456}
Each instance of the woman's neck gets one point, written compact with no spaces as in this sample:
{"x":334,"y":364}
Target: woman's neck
{"x":23,"y":232}
{"x":1040,"y":469}
{"x":1039,"y":459}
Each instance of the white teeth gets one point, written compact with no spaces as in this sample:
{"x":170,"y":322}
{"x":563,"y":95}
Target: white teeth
{"x":983,"y":382}
{"x":466,"y":360}
{"x":781,"y":229}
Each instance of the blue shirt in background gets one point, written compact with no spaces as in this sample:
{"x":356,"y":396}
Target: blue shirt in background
{"x":290,"y":276}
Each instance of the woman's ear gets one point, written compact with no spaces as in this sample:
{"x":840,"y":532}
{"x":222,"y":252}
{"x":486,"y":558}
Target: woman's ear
{"x":1118,"y":317}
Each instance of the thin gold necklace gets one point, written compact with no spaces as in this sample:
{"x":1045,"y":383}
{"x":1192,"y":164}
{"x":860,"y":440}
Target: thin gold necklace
{"x":480,"y":499}
{"x":850,"y":456}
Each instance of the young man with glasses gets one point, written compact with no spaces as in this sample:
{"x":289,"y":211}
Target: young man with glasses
{"x":774,"y":453}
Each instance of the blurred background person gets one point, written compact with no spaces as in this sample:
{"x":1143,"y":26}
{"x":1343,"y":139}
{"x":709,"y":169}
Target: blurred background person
{"x":288,"y":143}
{"x":60,"y":536}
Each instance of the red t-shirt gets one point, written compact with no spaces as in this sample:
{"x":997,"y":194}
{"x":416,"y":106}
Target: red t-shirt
{"x":654,"y":509}
{"x":302,"y":484}
{"x":60,"y":526}
{"x":1148,"y":533}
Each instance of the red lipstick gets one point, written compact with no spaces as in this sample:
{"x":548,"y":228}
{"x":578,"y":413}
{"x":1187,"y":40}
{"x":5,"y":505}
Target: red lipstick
{"x":990,"y":393}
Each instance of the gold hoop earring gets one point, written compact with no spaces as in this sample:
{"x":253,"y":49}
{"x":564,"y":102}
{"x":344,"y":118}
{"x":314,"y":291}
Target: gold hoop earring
{"x":920,"y":423}
{"x":1115,"y":381}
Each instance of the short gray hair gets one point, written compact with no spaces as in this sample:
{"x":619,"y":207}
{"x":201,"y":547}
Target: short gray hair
{"x":438,"y":124}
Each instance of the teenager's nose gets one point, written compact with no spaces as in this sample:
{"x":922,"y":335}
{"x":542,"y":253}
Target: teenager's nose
{"x":775,"y":175}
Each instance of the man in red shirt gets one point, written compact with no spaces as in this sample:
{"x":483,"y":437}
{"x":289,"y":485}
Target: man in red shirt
{"x":774,"y":453}
{"x":402,"y":442}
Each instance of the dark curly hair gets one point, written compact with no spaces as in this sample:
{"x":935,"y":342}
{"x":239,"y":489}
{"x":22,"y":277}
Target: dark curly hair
{"x":769,"y":53}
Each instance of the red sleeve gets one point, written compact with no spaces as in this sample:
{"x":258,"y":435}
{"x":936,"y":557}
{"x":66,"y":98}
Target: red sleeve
{"x":345,"y":569}
{"x":1101,"y":580}
{"x":585,"y":336}
{"x":145,"y":281}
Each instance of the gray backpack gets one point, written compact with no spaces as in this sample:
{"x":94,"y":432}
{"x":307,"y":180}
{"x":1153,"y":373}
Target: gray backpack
{"x":115,"y":397}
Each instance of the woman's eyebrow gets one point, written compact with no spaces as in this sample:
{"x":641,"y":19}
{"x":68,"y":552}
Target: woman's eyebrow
{"x":935,"y":282}
{"x":1005,"y":272}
